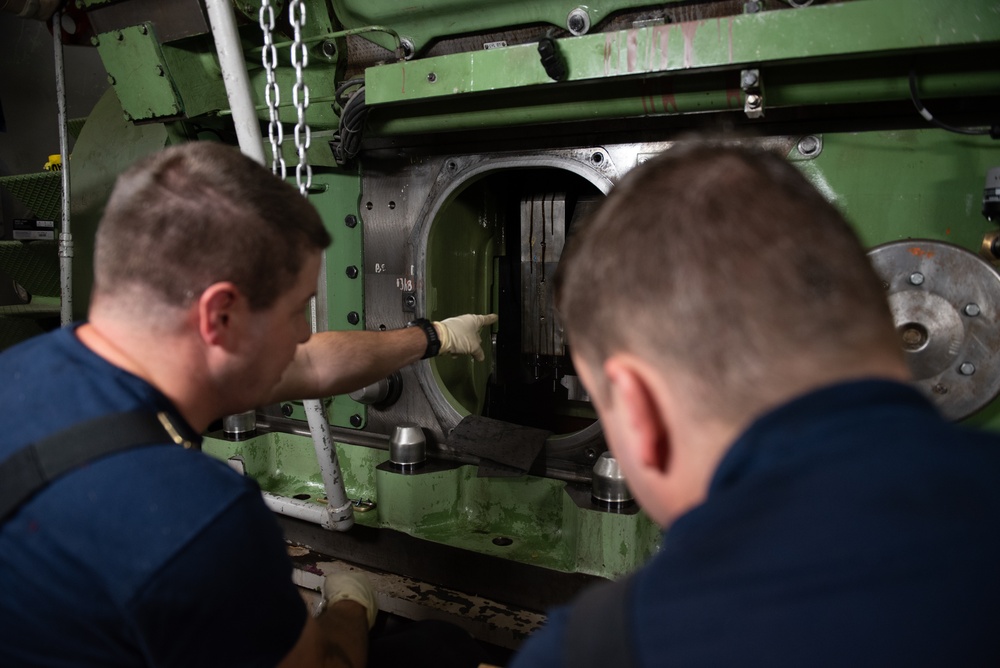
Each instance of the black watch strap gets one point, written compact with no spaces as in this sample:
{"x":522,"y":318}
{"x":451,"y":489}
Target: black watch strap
{"x":433,"y":340}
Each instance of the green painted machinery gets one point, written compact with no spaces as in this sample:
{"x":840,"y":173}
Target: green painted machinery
{"x":475,"y":118}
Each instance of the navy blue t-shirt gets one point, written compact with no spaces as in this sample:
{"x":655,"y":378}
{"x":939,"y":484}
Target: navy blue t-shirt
{"x":850,"y":527}
{"x":154,"y":556}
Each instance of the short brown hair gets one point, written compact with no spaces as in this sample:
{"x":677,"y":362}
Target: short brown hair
{"x":725,"y":263}
{"x":199,"y":213}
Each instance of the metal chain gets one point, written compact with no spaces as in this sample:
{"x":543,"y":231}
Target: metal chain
{"x":300,"y":95}
{"x":272,"y":95}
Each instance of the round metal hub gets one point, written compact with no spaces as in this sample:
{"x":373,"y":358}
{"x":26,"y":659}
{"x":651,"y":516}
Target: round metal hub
{"x":945,"y":302}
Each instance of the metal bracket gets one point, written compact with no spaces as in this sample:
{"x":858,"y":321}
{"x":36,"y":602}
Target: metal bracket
{"x":753,"y":101}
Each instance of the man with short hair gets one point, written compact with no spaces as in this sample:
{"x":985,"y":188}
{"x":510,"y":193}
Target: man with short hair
{"x":160,"y":555}
{"x":740,"y":353}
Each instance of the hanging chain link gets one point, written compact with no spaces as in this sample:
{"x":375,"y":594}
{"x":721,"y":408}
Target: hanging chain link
{"x":300,"y":95}
{"x":272,"y":95}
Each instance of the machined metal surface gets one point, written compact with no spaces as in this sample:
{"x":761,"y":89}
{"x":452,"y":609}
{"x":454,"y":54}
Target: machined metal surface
{"x":609,"y":485}
{"x":403,"y":200}
{"x":945,"y":302}
{"x":407,"y":446}
{"x":543,"y":237}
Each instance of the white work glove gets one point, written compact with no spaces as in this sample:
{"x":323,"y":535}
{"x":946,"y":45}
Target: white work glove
{"x":351,"y":586}
{"x":460,"y":335}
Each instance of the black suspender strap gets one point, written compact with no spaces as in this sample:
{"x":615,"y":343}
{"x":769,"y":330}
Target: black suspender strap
{"x":31,"y":468}
{"x":598,"y":631}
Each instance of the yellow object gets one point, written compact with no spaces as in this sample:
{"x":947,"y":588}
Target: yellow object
{"x":54,"y":164}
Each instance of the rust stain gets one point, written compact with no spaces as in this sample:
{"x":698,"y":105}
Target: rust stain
{"x":917,"y":251}
{"x":734,"y":97}
{"x":730,"y":19}
{"x":648,"y":65}
{"x":607,"y":54}
{"x":664,"y":33}
{"x":947,"y":231}
{"x":631,"y":49}
{"x":689,"y":30}
{"x":667,"y":96}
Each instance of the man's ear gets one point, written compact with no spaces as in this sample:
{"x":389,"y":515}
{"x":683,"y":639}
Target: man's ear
{"x":640,"y":411}
{"x":217,"y":308}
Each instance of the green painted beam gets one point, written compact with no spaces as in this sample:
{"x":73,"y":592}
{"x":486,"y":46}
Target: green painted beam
{"x":824,"y":32}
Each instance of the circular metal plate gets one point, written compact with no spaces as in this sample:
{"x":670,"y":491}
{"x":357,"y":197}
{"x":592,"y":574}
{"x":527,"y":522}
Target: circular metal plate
{"x":945,"y":302}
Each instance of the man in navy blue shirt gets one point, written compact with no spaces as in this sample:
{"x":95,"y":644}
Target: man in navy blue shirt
{"x":750,"y":382}
{"x":160,"y":555}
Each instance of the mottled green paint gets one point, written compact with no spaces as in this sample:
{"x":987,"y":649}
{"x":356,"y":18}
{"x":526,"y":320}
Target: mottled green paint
{"x":458,"y":508}
{"x":922,"y":184}
{"x":139,"y":73}
{"x":834,"y":30}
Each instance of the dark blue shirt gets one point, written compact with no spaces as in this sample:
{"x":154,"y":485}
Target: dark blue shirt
{"x":153,"y":556}
{"x":850,"y":527}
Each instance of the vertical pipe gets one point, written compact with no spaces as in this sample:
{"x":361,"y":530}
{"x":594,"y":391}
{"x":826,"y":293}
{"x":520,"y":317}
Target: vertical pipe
{"x":340,"y":511}
{"x":65,"y":237}
{"x":235,"y":77}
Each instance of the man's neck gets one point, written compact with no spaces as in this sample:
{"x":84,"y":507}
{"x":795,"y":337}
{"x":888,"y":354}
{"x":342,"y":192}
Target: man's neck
{"x":163,"y":360}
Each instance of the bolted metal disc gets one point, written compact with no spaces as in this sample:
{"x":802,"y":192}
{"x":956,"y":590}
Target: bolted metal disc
{"x":945,"y":302}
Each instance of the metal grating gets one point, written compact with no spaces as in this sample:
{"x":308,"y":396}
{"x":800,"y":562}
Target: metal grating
{"x":41,"y":192}
{"x":35,"y":265}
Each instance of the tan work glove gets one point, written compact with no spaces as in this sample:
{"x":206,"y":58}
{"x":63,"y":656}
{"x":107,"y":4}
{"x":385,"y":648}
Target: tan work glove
{"x":460,"y":335}
{"x":351,"y":586}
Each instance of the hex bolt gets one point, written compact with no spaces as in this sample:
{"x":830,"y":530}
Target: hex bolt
{"x":356,"y":420}
{"x":753,"y":101}
{"x":916,"y":278}
{"x":971,"y":310}
{"x":578,"y":21}
{"x":967,"y":369}
{"x":144,"y":30}
{"x":111,"y":80}
{"x":940,"y":389}
{"x":431,"y":77}
{"x":329,"y":49}
{"x":353,"y":317}
{"x":748,"y":79}
{"x":809,"y":146}
{"x":287,"y":410}
{"x":159,"y":70}
{"x":352,"y":272}
{"x":409,"y":301}
{"x":119,"y":36}
{"x":351,"y":220}
{"x":95,"y":41}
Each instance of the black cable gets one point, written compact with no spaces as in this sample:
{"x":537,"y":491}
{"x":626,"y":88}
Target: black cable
{"x":930,"y":117}
{"x":346,"y":144}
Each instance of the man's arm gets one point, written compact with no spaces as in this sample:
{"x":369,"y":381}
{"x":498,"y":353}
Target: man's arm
{"x":338,"y":637}
{"x":332,"y":363}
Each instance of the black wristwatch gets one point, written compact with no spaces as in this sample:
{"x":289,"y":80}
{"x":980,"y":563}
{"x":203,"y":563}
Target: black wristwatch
{"x":433,"y":340}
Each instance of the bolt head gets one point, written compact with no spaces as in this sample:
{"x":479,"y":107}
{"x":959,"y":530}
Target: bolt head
{"x":353,"y":317}
{"x":967,"y":369}
{"x":431,"y":77}
{"x":355,"y":420}
{"x":351,"y":220}
{"x":352,"y":272}
{"x":916,"y":278}
{"x":971,"y":310}
{"x":748,"y":79}
{"x":809,"y":145}
{"x":753,"y":101}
